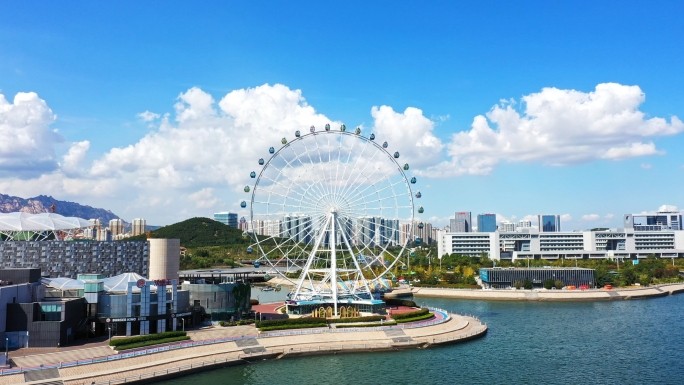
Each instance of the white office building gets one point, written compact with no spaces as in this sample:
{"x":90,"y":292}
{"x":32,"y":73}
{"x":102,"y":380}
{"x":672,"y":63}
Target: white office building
{"x":635,"y":242}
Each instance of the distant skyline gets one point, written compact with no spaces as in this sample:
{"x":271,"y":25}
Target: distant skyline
{"x":160,"y":110}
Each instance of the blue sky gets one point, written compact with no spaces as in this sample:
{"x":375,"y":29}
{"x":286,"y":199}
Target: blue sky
{"x":97,"y":66}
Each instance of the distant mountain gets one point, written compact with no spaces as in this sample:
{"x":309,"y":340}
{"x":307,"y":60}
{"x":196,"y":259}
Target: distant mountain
{"x":42,"y":203}
{"x":199,"y":232}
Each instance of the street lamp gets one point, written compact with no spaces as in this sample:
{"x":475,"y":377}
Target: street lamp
{"x":183,"y":319}
{"x":109,"y":326}
{"x":6,"y":347}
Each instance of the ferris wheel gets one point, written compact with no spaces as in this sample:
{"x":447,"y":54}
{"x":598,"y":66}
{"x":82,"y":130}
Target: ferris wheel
{"x":333,"y":208}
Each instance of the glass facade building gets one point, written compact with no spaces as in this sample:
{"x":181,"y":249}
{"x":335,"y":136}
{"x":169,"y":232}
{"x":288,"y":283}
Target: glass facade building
{"x":230,"y":219}
{"x":549,"y":223}
{"x":486,"y":223}
{"x":462,"y":222}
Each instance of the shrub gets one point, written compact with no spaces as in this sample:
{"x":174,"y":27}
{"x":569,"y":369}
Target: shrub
{"x":548,"y":284}
{"x":418,"y":318}
{"x":518,"y":285}
{"x":400,"y":302}
{"x":153,"y":342}
{"x":253,"y":301}
{"x":145,"y":338}
{"x":558,"y":284}
{"x":290,"y":321}
{"x":527,"y":284}
{"x":292,"y":326}
{"x":412,"y":314}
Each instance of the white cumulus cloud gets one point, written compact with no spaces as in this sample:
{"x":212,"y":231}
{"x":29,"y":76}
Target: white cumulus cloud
{"x":148,"y":116}
{"x":558,"y":127}
{"x":204,"y":198}
{"x":590,"y":217}
{"x":27,"y":143}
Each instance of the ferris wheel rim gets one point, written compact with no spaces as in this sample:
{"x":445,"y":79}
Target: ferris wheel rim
{"x":338,"y":134}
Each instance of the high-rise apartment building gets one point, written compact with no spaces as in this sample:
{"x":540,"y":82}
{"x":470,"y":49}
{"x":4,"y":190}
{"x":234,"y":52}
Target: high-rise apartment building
{"x":298,"y":227}
{"x":506,"y":226}
{"x":116,"y":227}
{"x":230,"y":219}
{"x":524,"y":224}
{"x":549,"y":223}
{"x":139,"y":226}
{"x":486,"y":223}
{"x":462,"y":222}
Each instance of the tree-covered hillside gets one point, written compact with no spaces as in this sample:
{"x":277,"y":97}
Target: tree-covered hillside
{"x":199,"y":232}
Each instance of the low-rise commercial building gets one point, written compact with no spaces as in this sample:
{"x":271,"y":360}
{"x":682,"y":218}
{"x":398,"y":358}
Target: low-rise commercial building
{"x":503,"y":278}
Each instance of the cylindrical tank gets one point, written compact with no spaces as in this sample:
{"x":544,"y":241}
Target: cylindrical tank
{"x":164,"y":258}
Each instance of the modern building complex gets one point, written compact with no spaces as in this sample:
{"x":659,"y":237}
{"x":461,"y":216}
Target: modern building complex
{"x":70,"y":258}
{"x":503,"y":278}
{"x":639,"y":241}
{"x":462,"y":222}
{"x":486,"y":223}
{"x":230,"y":219}
{"x":549,"y":223}
{"x":663,"y":220}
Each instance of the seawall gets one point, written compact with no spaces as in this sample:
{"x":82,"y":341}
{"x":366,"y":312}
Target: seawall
{"x":551,"y":295}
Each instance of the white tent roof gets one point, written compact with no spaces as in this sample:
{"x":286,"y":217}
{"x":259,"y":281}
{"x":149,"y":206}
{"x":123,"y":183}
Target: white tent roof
{"x":40,"y":222}
{"x":118,"y":283}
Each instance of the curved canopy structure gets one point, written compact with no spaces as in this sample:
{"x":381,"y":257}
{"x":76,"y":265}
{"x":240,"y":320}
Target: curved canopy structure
{"x":25,"y":226}
{"x":40,"y":222}
{"x":118,"y":283}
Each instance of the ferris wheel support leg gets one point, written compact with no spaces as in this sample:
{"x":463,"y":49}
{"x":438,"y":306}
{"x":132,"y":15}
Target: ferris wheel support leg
{"x":305,"y":272}
{"x":333,"y":259}
{"x":356,"y":263}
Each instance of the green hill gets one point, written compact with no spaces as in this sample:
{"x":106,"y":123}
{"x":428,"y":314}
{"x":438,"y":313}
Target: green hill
{"x":199,"y":232}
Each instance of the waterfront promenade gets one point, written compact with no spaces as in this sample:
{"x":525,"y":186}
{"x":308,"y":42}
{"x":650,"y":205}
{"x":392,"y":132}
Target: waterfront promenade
{"x":286,"y":344}
{"x":551,"y":295}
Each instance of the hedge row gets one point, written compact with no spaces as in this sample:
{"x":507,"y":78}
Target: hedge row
{"x":370,"y":318}
{"x":400,"y":302}
{"x":411,"y":314}
{"x":390,"y":323}
{"x":290,"y":321}
{"x":145,"y":338}
{"x":148,"y":343}
{"x":294,"y":326}
{"x":418,"y":318}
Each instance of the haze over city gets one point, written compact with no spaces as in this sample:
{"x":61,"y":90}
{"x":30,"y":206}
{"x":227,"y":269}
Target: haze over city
{"x":512,"y":109}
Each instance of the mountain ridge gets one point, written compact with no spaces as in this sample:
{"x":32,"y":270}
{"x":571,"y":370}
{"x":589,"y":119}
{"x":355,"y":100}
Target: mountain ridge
{"x":42,"y":203}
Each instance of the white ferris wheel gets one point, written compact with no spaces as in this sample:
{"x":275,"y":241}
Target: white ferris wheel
{"x":337,"y":208}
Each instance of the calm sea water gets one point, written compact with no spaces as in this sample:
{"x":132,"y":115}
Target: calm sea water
{"x":621,"y":342}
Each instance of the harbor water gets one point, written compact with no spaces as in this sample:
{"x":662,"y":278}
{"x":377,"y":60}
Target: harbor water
{"x":612,"y":342}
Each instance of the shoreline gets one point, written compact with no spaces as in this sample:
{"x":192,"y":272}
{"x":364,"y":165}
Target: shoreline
{"x":551,"y":295}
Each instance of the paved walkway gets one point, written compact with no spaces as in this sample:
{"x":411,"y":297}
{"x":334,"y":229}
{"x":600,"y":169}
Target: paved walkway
{"x":66,"y":355}
{"x":457,"y":328}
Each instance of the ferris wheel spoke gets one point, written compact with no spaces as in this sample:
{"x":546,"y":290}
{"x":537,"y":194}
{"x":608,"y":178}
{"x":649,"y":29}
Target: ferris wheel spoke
{"x":326,"y":183}
{"x":297,"y":157}
{"x":347,"y":185}
{"x":391,"y":186}
{"x":384,"y":177}
{"x":321,"y":187}
{"x":270,"y":191}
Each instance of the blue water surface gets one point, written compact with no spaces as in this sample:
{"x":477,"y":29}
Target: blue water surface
{"x":615,"y":342}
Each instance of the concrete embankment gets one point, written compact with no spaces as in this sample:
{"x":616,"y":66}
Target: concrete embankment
{"x":551,"y":295}
{"x":179,"y":362}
